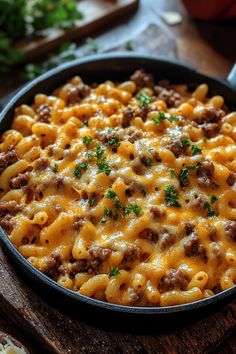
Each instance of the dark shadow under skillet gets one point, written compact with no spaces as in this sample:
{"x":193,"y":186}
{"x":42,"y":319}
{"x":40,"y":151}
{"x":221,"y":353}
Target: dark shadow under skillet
{"x":115,"y":67}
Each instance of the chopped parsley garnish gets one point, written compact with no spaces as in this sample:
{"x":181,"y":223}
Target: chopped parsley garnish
{"x":83,"y":165}
{"x":196,"y":150}
{"x":110,"y":194}
{"x":173,"y":118}
{"x":87,"y":140}
{"x":207,"y":206}
{"x":213,"y":199}
{"x":107,"y":212}
{"x":132,"y":207}
{"x":143,"y":99}
{"x":80,"y":166}
{"x":113,"y":272}
{"x":162,"y":116}
{"x":183,"y":143}
{"x":55,"y":167}
{"x":184,"y":175}
{"x":103,"y":167}
{"x":210,"y":211}
{"x":171,"y":196}
{"x":114,"y":141}
{"x":99,"y":151}
{"x":148,"y":162}
{"x":86,"y":123}
{"x":118,"y":205}
{"x":103,"y":220}
{"x":91,"y":201}
{"x":171,"y":172}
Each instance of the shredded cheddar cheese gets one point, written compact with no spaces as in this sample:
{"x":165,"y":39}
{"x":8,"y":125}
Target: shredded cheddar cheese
{"x":124,"y":192}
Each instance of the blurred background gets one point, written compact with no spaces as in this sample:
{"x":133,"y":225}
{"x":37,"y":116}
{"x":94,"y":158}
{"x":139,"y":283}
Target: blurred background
{"x":38,"y":35}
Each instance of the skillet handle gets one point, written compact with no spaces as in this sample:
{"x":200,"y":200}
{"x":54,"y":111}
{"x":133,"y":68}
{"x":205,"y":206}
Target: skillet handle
{"x":232,"y":77}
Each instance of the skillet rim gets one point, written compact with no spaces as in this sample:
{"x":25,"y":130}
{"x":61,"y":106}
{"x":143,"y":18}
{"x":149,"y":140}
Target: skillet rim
{"x":41,"y":278}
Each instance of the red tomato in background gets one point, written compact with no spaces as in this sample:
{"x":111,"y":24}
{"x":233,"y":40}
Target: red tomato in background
{"x":211,"y":9}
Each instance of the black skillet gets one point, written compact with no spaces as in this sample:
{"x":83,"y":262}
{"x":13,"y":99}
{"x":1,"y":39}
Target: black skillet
{"x":116,"y":67}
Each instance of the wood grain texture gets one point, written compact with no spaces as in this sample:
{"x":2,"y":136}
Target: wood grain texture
{"x":96,"y":13}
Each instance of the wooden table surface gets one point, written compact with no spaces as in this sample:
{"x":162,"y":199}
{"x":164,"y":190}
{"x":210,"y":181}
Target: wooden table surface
{"x":210,"y":47}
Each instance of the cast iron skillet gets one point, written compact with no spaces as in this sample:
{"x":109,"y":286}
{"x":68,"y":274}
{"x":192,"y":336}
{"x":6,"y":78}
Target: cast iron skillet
{"x":118,"y":67}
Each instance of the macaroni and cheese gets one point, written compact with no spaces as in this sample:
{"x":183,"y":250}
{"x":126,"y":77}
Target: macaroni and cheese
{"x":124,"y":192}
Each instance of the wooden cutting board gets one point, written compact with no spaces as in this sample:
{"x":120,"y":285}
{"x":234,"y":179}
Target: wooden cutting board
{"x":96,"y":14}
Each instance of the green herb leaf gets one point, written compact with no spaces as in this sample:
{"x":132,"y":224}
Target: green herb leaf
{"x":86,"y":123}
{"x":103,"y":167}
{"x":80,"y":166}
{"x":173,"y":118}
{"x":114,"y":141}
{"x":184,"y":142}
{"x":196,"y":150}
{"x":87,"y":140}
{"x":103,"y":220}
{"x":143,"y":99}
{"x":108,"y":212}
{"x":110,"y":194}
{"x":132,"y":207}
{"x":129,"y":46}
{"x":99,"y":151}
{"x":171,"y":172}
{"x":184,"y":175}
{"x":55,"y":167}
{"x":213,"y":199}
{"x":113,"y":272}
{"x":91,"y":201}
{"x":210,"y":211}
{"x":160,"y":118}
{"x":171,"y":196}
{"x":77,"y":173}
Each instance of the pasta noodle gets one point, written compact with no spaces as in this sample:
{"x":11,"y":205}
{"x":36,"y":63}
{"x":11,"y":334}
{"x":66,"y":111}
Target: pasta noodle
{"x":124,"y":192}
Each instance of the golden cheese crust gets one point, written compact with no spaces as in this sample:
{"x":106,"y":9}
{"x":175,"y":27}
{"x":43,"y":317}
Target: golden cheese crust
{"x":124,"y":192}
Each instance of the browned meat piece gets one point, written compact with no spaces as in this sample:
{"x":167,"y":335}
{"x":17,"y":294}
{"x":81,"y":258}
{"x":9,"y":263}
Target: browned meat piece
{"x":132,"y":253}
{"x":138,"y":167}
{"x":142,"y":79}
{"x":134,"y":187}
{"x":97,"y":255}
{"x":156,"y":156}
{"x":7,"y":223}
{"x":44,"y":113}
{"x":79,"y":266}
{"x":167,"y":239}
{"x":20,"y":181}
{"x":170,"y":97}
{"x":230,"y":230}
{"x":133,"y":134}
{"x":209,"y":115}
{"x":53,"y":267}
{"x":156,"y":212}
{"x":7,"y":158}
{"x":213,"y":233}
{"x":9,"y":207}
{"x":205,"y":174}
{"x":189,"y":228}
{"x":178,"y":146}
{"x":77,"y":93}
{"x":196,"y":201}
{"x":231,"y":179}
{"x":210,"y":129}
{"x":42,"y":163}
{"x":78,"y":222}
{"x":149,"y":234}
{"x":193,"y":248}
{"x":173,"y":279}
{"x":29,"y":192}
{"x":128,"y":114}
{"x":142,"y":112}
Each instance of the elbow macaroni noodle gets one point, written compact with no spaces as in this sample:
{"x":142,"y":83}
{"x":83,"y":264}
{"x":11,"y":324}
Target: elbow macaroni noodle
{"x":124,"y":193}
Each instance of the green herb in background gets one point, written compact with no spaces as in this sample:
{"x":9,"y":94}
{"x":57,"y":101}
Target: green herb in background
{"x":143,"y":99}
{"x":171,"y":196}
{"x":21,"y":18}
